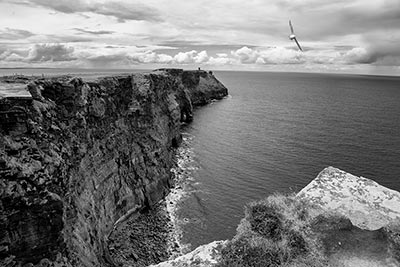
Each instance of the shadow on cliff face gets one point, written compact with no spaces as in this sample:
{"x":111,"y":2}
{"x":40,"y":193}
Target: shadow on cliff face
{"x":285,"y":231}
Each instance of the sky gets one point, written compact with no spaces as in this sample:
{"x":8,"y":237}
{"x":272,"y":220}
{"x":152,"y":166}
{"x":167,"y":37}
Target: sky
{"x":338,"y":36}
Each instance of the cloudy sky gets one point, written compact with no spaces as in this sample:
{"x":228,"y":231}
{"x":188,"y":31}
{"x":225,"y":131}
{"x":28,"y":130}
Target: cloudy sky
{"x":361,"y":36}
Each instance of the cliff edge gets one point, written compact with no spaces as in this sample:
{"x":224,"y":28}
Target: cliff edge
{"x":77,"y":157}
{"x":366,"y":203}
{"x":337,"y":220}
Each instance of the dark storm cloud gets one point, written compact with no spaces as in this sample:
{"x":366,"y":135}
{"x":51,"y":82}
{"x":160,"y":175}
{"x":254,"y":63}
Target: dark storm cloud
{"x":121,"y":11}
{"x":14,"y":34}
{"x":49,"y":52}
{"x":102,"y":32}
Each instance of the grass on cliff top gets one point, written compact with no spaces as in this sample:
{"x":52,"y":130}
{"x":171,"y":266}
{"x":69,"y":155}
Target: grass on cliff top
{"x":290,"y":232}
{"x":275,"y":232}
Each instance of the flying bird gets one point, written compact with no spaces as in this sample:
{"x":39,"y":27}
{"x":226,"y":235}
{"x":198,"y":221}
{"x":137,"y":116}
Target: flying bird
{"x":292,"y":36}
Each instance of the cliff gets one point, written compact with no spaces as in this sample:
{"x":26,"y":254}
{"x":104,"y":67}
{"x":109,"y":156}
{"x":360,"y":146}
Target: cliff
{"x":338,"y":219}
{"x":78,"y":157}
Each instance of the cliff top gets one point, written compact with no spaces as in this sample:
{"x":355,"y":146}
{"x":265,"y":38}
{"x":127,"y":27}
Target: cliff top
{"x":366,"y":203}
{"x":15,"y":85}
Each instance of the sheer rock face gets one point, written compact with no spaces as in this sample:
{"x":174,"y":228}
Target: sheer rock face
{"x":367,"y":204}
{"x":77,"y":157}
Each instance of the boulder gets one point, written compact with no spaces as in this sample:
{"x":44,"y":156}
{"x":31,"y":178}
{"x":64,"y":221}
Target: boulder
{"x":366,"y":203}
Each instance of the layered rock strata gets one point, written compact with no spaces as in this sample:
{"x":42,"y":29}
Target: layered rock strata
{"x":78,"y":157}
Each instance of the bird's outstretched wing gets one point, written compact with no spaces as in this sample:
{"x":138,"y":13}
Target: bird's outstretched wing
{"x":291,"y":27}
{"x":298,"y":44}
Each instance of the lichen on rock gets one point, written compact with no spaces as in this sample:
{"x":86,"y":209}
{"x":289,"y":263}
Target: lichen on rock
{"x":367,"y":204}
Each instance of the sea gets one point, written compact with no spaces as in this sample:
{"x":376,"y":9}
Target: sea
{"x":274,"y":133}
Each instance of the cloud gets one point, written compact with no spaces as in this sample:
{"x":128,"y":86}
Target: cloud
{"x":380,"y":49}
{"x":222,"y":55}
{"x":38,"y":55}
{"x":105,"y":60}
{"x":281,"y":55}
{"x":63,"y":38}
{"x":272,"y":55}
{"x":126,"y":59}
{"x":151,"y":57}
{"x":101,"y":32}
{"x":50,"y":52}
{"x":359,"y":55}
{"x":191,"y":57}
{"x":246,"y":55}
{"x":14,"y":34}
{"x":111,"y":56}
{"x":11,"y":56}
{"x":120,"y":10}
{"x":221,"y":60}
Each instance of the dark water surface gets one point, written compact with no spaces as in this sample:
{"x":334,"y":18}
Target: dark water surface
{"x":276,"y":132}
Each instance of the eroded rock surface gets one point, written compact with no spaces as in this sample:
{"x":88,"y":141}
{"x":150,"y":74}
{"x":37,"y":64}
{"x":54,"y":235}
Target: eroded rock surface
{"x":77,"y":157}
{"x":203,"y":256}
{"x":367,"y":204}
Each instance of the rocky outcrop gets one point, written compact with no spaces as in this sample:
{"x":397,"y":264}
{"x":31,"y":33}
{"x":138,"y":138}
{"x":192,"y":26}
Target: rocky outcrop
{"x":79,"y":157}
{"x":203,"y":256}
{"x":367,"y":204}
{"x":356,"y":220}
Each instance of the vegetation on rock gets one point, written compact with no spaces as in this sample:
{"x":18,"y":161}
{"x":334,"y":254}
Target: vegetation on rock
{"x":291,"y":232}
{"x":274,"y":232}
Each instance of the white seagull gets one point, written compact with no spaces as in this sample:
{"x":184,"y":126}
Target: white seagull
{"x":292,"y":36}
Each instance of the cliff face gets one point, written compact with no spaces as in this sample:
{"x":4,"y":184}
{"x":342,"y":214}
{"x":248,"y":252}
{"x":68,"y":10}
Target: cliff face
{"x":78,"y":157}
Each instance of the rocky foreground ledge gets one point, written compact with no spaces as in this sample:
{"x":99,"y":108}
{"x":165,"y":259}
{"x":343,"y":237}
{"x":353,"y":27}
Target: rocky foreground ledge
{"x":78,"y":157}
{"x":338,"y":220}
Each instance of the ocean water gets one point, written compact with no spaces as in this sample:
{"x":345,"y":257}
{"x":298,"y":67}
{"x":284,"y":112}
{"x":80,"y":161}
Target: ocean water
{"x":275,"y":133}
